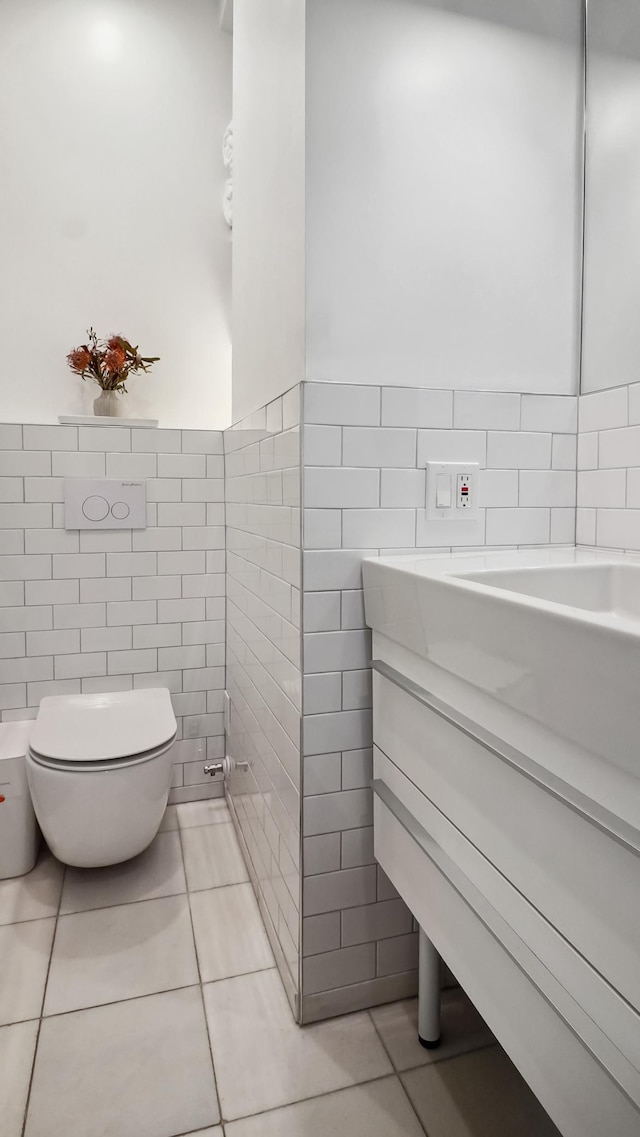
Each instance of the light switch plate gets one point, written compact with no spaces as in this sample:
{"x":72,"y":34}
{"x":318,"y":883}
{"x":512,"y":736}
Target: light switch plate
{"x":463,"y":505}
{"x":90,"y":503}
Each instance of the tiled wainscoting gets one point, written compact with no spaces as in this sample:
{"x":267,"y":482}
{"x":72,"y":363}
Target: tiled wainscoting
{"x":364,"y":455}
{"x":104,"y":611}
{"x":609,"y":469}
{"x":95,"y":611}
{"x":264,"y":662}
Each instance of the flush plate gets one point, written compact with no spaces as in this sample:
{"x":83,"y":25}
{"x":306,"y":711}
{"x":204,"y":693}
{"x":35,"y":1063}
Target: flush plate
{"x":91,"y":503}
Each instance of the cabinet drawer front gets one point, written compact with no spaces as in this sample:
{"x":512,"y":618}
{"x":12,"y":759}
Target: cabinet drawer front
{"x":561,"y":862}
{"x":616,"y":1018}
{"x":582,"y":1098}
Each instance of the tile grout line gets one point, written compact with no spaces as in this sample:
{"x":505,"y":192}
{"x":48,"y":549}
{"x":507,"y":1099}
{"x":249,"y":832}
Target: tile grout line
{"x":434,"y":1062}
{"x":396,"y":1072}
{"x":115,"y":1002}
{"x":200,"y":984}
{"x":137,"y":998}
{"x":314,"y":1097}
{"x":41,"y":1016}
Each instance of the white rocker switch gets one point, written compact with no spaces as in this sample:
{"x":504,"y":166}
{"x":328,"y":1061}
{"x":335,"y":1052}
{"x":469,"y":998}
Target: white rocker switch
{"x":443,"y":491}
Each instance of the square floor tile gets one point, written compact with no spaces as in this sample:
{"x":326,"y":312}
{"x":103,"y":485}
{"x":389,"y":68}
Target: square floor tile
{"x":230,"y":935}
{"x":33,"y":896}
{"x":170,"y":819}
{"x":156,"y":872}
{"x":477,"y":1095}
{"x":24,"y":961}
{"x":263,"y":1060}
{"x":377,"y":1109}
{"x":463,"y":1030}
{"x":135,"y":1069}
{"x":17,"y":1047}
{"x":213,"y":811}
{"x":120,"y":953}
{"x":212,"y":857}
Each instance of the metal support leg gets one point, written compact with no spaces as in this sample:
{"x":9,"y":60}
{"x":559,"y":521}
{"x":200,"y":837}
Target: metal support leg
{"x":428,"y":994}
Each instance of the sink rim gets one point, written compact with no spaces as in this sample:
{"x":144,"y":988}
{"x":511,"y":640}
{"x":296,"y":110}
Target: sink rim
{"x":570,"y":670}
{"x":451,"y":569}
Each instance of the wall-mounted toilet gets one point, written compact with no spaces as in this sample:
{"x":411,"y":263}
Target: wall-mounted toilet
{"x":99,"y":770}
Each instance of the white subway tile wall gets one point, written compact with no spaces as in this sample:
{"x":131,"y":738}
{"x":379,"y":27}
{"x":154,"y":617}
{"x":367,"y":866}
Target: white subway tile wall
{"x":364,"y":490}
{"x":264,"y":671}
{"x":113,"y":611}
{"x":608,"y":514}
{"x":96,"y":611}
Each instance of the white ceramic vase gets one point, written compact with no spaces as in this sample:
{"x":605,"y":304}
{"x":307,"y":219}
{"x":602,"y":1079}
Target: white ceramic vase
{"x":108,"y":404}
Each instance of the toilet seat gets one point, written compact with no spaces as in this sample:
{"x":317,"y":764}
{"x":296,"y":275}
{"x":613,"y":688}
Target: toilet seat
{"x":96,"y":766}
{"x":103,"y":729}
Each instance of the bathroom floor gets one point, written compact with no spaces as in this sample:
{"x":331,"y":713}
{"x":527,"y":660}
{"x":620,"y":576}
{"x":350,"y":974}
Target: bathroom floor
{"x":142,"y":1001}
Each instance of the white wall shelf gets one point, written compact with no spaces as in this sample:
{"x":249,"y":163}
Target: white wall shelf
{"x":102,"y":420}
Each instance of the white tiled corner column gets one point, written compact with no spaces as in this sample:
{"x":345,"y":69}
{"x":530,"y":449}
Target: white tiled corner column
{"x":117,"y":610}
{"x":608,"y":515}
{"x":264,"y":663}
{"x":364,"y":455}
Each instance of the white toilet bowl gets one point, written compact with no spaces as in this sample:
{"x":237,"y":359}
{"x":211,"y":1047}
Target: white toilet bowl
{"x":99,"y":769}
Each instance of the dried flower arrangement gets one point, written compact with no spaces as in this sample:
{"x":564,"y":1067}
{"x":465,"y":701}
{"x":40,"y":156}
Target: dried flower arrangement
{"x":108,"y":362}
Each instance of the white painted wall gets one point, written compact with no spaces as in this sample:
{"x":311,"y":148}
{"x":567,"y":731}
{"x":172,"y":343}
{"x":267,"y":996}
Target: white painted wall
{"x":226,"y":15}
{"x":268,"y":200}
{"x":111,"y":120}
{"x":443,"y":190}
{"x":612,"y":250}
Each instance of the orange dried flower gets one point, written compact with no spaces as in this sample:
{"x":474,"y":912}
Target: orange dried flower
{"x":79,"y":359}
{"x":114,"y":359}
{"x":108,"y":363}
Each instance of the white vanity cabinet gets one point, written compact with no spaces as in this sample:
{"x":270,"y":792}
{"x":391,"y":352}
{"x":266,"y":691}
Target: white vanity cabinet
{"x":527,"y":887}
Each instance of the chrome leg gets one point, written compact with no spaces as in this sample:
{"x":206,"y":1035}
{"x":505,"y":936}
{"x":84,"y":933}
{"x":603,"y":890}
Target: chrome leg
{"x":428,"y":994}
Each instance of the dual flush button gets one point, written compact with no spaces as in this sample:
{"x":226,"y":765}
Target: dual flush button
{"x":97,"y":508}
{"x":106,"y":503}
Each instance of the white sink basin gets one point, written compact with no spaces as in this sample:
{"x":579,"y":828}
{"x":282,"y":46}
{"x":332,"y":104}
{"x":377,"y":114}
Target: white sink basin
{"x":610,"y":588}
{"x":551,"y":633}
